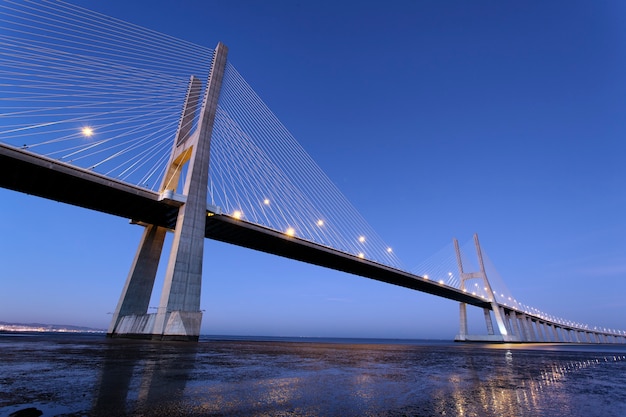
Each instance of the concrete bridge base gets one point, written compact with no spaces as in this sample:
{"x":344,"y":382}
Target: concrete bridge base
{"x":487,"y":338}
{"x":180,"y":325}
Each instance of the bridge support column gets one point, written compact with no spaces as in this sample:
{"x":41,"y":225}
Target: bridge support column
{"x":502,"y":321}
{"x":132,"y":307}
{"x":540,"y":337}
{"x":572,"y":336}
{"x":531,"y":329}
{"x":521,"y":323}
{"x":544,"y":331}
{"x":488,"y":321}
{"x":178,"y":316}
{"x":515,"y":325}
{"x":462,"y":322}
{"x":555,"y":333}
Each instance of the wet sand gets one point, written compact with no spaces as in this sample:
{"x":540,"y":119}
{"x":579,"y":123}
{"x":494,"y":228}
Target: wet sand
{"x":90,"y":375}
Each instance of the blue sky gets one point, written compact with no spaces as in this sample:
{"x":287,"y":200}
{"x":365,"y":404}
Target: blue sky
{"x":436,"y":120}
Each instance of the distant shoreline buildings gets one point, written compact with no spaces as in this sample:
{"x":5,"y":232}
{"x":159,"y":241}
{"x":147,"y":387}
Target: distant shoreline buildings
{"x":46,"y":328}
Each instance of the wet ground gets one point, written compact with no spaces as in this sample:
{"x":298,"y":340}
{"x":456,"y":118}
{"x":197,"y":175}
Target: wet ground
{"x":90,"y":375}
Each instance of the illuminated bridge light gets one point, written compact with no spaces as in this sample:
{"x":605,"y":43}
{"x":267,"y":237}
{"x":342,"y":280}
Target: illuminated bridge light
{"x":87,"y":131}
{"x":425,"y":276}
{"x":441,"y":281}
{"x":237,"y":214}
{"x":320,"y":223}
{"x":361,"y":239}
{"x":389,"y":250}
{"x":266,"y":201}
{"x":361,"y":255}
{"x":290,"y":231}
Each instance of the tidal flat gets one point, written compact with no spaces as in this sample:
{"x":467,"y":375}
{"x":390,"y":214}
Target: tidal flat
{"x":91,"y":375}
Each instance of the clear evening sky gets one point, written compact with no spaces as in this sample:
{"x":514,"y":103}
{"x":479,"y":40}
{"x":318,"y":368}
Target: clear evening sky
{"x":436,"y":119}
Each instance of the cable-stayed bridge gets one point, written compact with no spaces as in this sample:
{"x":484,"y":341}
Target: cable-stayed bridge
{"x":91,"y":116}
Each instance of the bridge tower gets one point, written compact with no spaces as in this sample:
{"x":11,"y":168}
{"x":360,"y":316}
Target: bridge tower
{"x":178,"y":316}
{"x":499,"y":314}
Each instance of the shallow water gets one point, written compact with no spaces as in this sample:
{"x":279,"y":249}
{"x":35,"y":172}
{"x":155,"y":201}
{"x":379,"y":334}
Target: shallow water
{"x":78,"y":375}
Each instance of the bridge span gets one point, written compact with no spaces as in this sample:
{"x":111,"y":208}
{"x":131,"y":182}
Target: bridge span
{"x":30,"y":173}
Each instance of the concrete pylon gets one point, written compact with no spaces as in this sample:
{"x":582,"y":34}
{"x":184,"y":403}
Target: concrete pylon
{"x":499,"y":315}
{"x":178,"y":316}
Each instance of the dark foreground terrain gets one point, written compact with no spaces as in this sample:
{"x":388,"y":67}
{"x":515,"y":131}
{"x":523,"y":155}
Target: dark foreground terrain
{"x":90,"y":375}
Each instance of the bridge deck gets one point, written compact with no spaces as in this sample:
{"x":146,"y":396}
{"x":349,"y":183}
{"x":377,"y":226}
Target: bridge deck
{"x":29,"y":173}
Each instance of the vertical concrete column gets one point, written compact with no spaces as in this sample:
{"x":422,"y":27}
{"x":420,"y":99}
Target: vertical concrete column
{"x":488,"y":321}
{"x":462,"y":321}
{"x":540,"y":334}
{"x":179,"y":316}
{"x":555,"y":333}
{"x":572,"y":336}
{"x":546,"y":330}
{"x":524,"y":325}
{"x":137,"y":290}
{"x":531,"y":329}
{"x":507,"y":321}
{"x":546,"y":333}
{"x":577,"y":336}
{"x":516,"y":329}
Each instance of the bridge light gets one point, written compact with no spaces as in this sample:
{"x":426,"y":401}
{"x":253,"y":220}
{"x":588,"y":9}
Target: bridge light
{"x":320,"y":223}
{"x":266,"y":201}
{"x":361,"y":239}
{"x":425,"y":276}
{"x":290,"y":231}
{"x":389,"y":250}
{"x":87,"y":131}
{"x":361,"y":255}
{"x":441,"y":281}
{"x":237,"y":214}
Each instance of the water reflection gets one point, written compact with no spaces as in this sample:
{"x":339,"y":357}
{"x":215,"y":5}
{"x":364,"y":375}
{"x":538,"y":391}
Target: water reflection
{"x":521,"y":388}
{"x":138,"y":375}
{"x":99,"y":377}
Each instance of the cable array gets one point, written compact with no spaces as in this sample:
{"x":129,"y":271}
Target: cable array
{"x":260,"y":173}
{"x":91,"y":90}
{"x":106,"y":95}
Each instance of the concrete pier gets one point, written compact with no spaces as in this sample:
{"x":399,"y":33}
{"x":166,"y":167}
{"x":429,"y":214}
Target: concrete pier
{"x":178,"y":316}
